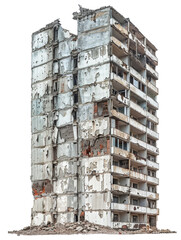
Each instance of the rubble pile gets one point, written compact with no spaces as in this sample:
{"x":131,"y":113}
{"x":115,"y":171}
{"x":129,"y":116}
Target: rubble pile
{"x":83,"y":228}
{"x":67,"y":228}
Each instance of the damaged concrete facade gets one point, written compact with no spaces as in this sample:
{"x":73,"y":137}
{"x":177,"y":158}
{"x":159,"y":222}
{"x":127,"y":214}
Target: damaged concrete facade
{"x":94,"y":123}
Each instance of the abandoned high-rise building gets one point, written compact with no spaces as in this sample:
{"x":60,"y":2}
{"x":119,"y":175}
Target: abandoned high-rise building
{"x":94,"y":123}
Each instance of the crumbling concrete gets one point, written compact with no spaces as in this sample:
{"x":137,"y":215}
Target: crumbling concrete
{"x":83,"y":228}
{"x":94,"y":123}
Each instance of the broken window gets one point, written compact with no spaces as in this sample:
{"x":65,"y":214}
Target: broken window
{"x":115,"y":163}
{"x":115,"y":181}
{"x":135,"y":185}
{"x":115,"y":218}
{"x":120,"y":73}
{"x":55,"y":52}
{"x":75,"y":218}
{"x":125,"y":145}
{"x":74,"y":113}
{"x":151,"y":189}
{"x":124,"y":163}
{"x":74,"y":79}
{"x":54,"y":153}
{"x":115,"y":199}
{"x":131,"y":79}
{"x":55,"y":86}
{"x":75,"y":61}
{"x":136,"y":83}
{"x":153,"y":174}
{"x":135,"y":201}
{"x":114,"y":92}
{"x":116,"y":142}
{"x":55,"y":33}
{"x":113,"y":68}
{"x":135,"y":218}
{"x":152,"y":204}
{"x":121,"y":110}
{"x":55,"y":101}
{"x":113,"y":123}
{"x":75,"y":98}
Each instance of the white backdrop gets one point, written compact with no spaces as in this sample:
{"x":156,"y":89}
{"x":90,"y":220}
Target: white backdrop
{"x":160,"y":22}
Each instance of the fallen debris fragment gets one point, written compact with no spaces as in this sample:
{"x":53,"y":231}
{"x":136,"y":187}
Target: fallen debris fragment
{"x":83,"y":228}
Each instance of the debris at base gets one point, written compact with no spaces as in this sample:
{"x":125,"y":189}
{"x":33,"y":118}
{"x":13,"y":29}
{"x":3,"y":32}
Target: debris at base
{"x":83,"y":228}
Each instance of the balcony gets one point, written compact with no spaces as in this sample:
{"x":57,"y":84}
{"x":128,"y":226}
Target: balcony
{"x":154,"y":211}
{"x":150,"y":55}
{"x":119,"y":44}
{"x":138,"y":192}
{"x":135,"y":39}
{"x":137,"y":75}
{"x":152,"y":196}
{"x":153,"y":180}
{"x":137,"y":209}
{"x":152,"y":117}
{"x":138,"y":92}
{"x":152,"y":149}
{"x":138,"y":109}
{"x":118,"y":188}
{"x":152,"y":133}
{"x":119,"y":115}
{"x":137,"y":62}
{"x":119,"y":62}
{"x":137,"y":159}
{"x":139,"y":143}
{"x":120,"y":170}
{"x":117,"y":133}
{"x":120,"y":81}
{"x":120,"y":152}
{"x":118,"y":26}
{"x":152,"y":102}
{"x":122,"y":99}
{"x":152,"y":164}
{"x":152,"y":87}
{"x":120,"y":207}
{"x":138,"y":176}
{"x":137,"y":125}
{"x":152,"y":71}
{"x":134,"y":208}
